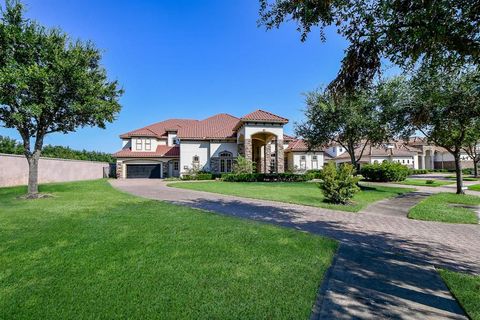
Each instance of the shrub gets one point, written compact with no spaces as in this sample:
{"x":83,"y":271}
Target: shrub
{"x":430,"y":182}
{"x":418,"y":171}
{"x":385,"y":172}
{"x":243,"y":165}
{"x":264,"y":177}
{"x":314,"y":174}
{"x":200,"y":175}
{"x":339,"y":184}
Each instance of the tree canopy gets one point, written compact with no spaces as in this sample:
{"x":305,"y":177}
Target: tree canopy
{"x":443,"y":104}
{"x":352,"y":121}
{"x":405,"y":32}
{"x":11,"y":146}
{"x":49,"y":83}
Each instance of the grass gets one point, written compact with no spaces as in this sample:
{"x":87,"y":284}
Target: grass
{"x":439,"y":207}
{"x":93,"y":252}
{"x":475,"y":187}
{"x":469,"y":178}
{"x":292,"y":192}
{"x":466,"y":288}
{"x":423,"y":182}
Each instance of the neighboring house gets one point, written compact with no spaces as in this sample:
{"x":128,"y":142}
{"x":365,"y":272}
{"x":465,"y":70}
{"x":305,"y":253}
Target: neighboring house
{"x":174,"y":147}
{"x":415,"y":153}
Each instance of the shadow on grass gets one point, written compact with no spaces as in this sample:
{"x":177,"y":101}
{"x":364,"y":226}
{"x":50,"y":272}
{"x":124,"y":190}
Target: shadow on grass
{"x":386,"y":275}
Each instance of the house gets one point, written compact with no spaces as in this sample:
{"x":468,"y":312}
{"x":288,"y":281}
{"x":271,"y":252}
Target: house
{"x":415,"y":153}
{"x":370,"y":154}
{"x":174,"y":147}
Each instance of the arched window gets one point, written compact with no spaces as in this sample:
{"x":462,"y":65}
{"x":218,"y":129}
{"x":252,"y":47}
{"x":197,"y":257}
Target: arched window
{"x":226,"y":161}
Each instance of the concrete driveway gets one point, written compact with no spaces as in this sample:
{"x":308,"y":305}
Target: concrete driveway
{"x":386,"y":264}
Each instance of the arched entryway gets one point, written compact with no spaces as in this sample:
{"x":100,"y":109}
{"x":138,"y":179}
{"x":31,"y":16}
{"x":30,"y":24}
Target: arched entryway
{"x":265,"y":149}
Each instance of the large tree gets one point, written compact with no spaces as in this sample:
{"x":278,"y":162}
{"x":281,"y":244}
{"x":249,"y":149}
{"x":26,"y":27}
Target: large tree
{"x":443,"y":104}
{"x":49,"y":83}
{"x":405,"y":32}
{"x":350,"y":120}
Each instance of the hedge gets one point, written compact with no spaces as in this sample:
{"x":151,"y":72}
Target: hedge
{"x":265,"y":177}
{"x":199,"y":176}
{"x":385,"y":172}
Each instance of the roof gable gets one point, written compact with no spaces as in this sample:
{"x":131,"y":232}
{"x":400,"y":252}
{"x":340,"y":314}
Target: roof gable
{"x":262,"y":115}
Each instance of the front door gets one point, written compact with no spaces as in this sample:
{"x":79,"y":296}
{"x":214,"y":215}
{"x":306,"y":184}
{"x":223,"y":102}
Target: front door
{"x":175,"y":168}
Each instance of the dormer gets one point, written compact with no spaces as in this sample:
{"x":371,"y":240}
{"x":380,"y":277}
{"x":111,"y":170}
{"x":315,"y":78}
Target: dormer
{"x":172,"y":139}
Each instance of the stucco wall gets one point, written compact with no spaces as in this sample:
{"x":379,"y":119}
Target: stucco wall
{"x":14,"y":170}
{"x":189,"y":149}
{"x":308,"y":164}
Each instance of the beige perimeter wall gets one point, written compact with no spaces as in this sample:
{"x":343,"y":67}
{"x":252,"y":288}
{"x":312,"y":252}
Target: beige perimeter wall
{"x":14,"y":170}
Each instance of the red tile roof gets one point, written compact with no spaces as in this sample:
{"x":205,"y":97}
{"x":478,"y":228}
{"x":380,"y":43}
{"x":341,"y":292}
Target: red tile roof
{"x":160,"y":129}
{"x":219,"y":126}
{"x":261,"y":115}
{"x":300,"y":145}
{"x":161,"y":151}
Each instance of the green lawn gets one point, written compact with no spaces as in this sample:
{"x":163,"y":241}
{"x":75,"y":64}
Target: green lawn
{"x":93,"y":252}
{"x":291,"y":192}
{"x":468,"y":178}
{"x":466,"y":288}
{"x":475,"y":187}
{"x":423,"y":182}
{"x":439,"y":207}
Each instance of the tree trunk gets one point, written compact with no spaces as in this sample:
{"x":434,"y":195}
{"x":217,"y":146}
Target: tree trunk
{"x":458,"y":171}
{"x":475,"y":169}
{"x":33,"y":174}
{"x":353,"y":160}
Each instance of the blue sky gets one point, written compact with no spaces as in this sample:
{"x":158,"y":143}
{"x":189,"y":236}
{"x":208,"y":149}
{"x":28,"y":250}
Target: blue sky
{"x":190,"y":59}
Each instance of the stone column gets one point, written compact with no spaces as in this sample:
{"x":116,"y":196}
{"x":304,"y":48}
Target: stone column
{"x":119,"y":169}
{"x":268,"y":156}
{"x":247,"y":149}
{"x":262,"y":167}
{"x":280,"y":156}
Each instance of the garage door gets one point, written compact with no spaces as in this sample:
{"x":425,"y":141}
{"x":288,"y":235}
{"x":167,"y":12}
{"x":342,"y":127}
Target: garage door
{"x":143,"y":171}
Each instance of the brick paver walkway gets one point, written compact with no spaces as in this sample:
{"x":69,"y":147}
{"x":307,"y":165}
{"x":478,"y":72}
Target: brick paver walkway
{"x":385,"y":265}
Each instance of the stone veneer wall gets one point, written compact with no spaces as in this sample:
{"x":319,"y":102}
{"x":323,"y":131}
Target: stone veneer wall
{"x":280,"y":156}
{"x":268,"y":156}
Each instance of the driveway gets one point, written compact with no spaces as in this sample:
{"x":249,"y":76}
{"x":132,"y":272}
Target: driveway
{"x":385,"y":267}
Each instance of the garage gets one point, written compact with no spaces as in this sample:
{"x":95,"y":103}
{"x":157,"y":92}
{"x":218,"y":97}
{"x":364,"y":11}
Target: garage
{"x":143,"y":171}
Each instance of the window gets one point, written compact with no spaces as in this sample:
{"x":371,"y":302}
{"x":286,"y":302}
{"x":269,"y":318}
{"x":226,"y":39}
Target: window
{"x":148,"y":144}
{"x":175,"y":141}
{"x":175,"y":166}
{"x":302,"y":158}
{"x":314,"y":158}
{"x":340,"y":149}
{"x":138,"y":145}
{"x":403,"y":160}
{"x":196,"y":159}
{"x":226,"y":161}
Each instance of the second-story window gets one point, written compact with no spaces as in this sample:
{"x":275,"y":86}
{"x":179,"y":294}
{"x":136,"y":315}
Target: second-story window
{"x":148,"y":144}
{"x":138,"y":144}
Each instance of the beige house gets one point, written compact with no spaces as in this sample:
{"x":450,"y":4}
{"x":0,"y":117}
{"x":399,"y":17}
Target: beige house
{"x":173,"y":147}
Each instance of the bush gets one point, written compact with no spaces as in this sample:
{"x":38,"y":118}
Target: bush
{"x":264,"y":177}
{"x":314,"y":174}
{"x":430,"y":182}
{"x":339,"y":184}
{"x":385,"y":172}
{"x":243,"y":165}
{"x":419,"y":171}
{"x":198,"y":176}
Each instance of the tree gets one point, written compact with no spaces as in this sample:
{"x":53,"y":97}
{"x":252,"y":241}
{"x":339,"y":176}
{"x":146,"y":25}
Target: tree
{"x":351,"y":120}
{"x":472,"y":149}
{"x":10,"y":146}
{"x":49,"y":83}
{"x":405,"y":32}
{"x":443,"y":104}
